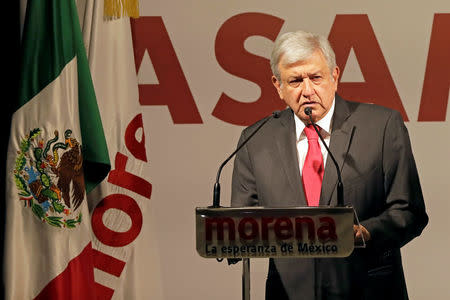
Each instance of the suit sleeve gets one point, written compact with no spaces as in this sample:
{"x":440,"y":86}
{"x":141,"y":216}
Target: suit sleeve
{"x":243,"y":187}
{"x":404,"y":216}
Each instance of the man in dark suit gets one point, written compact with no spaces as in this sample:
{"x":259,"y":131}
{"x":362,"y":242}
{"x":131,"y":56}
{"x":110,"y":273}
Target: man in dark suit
{"x":372,"y":148}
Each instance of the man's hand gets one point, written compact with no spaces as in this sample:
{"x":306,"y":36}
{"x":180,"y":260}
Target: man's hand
{"x":361,"y":230}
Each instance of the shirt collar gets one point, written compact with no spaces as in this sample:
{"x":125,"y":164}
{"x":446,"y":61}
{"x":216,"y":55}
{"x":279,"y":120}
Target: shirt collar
{"x":324,"y":123}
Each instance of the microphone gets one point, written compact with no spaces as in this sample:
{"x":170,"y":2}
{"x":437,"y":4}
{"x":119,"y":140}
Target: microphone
{"x":340,"y":187}
{"x":216,"y":192}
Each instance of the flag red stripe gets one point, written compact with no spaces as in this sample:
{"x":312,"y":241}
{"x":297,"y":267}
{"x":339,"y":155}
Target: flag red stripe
{"x":75,"y":282}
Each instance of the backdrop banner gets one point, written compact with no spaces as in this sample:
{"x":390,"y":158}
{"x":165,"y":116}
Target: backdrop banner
{"x":203,"y":74}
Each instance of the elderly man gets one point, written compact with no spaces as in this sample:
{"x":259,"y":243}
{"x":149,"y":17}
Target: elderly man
{"x":285,"y":164}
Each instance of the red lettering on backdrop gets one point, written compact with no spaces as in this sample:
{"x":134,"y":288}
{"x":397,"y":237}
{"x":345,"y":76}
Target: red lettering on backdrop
{"x":434,"y":101}
{"x":133,"y":145}
{"x":233,"y":58}
{"x":149,"y":33}
{"x":355,"y":31}
{"x":120,"y":177}
{"x":114,"y":238}
{"x":110,"y":265}
{"x":103,"y":292}
{"x":107,"y":263}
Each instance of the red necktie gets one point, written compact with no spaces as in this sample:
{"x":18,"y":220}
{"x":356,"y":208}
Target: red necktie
{"x":313,"y":169}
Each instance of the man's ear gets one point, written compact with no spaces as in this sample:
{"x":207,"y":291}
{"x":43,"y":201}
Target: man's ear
{"x":277,"y":85}
{"x":336,"y":73}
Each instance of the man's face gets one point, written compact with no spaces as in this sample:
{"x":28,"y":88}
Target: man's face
{"x":307,"y":83}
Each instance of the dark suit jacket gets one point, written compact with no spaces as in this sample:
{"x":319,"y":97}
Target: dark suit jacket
{"x":372,"y":148}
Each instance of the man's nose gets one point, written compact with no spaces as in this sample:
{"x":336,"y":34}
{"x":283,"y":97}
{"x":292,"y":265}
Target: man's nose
{"x":308,"y":89}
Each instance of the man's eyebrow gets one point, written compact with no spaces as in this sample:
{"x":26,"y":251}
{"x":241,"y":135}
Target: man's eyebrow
{"x":318,"y":72}
{"x":308,"y":74}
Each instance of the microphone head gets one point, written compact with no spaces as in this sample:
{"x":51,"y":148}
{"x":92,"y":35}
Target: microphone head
{"x":276,"y":114}
{"x":308,"y":111}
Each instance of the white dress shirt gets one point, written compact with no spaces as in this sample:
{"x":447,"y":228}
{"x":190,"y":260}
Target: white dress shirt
{"x":302,"y":141}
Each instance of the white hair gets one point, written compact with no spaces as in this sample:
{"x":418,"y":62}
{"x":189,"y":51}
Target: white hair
{"x":297,"y":46}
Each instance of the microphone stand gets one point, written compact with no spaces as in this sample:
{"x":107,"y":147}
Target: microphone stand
{"x":340,"y":186}
{"x":216,"y":191}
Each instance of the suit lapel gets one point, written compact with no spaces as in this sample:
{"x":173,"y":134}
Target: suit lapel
{"x":286,"y":144}
{"x":341,"y":135}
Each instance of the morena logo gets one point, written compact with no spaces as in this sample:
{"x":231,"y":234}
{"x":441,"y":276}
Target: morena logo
{"x":268,"y":228}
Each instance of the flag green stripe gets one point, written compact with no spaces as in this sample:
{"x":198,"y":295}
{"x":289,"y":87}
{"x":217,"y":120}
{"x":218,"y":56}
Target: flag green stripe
{"x":48,"y":45}
{"x":51,"y":39}
{"x":95,"y":150}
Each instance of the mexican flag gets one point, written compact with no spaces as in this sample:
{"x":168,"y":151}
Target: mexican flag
{"x":57,"y":154}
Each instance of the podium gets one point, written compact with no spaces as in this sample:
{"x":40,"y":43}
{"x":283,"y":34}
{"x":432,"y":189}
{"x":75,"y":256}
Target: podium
{"x":259,"y":232}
